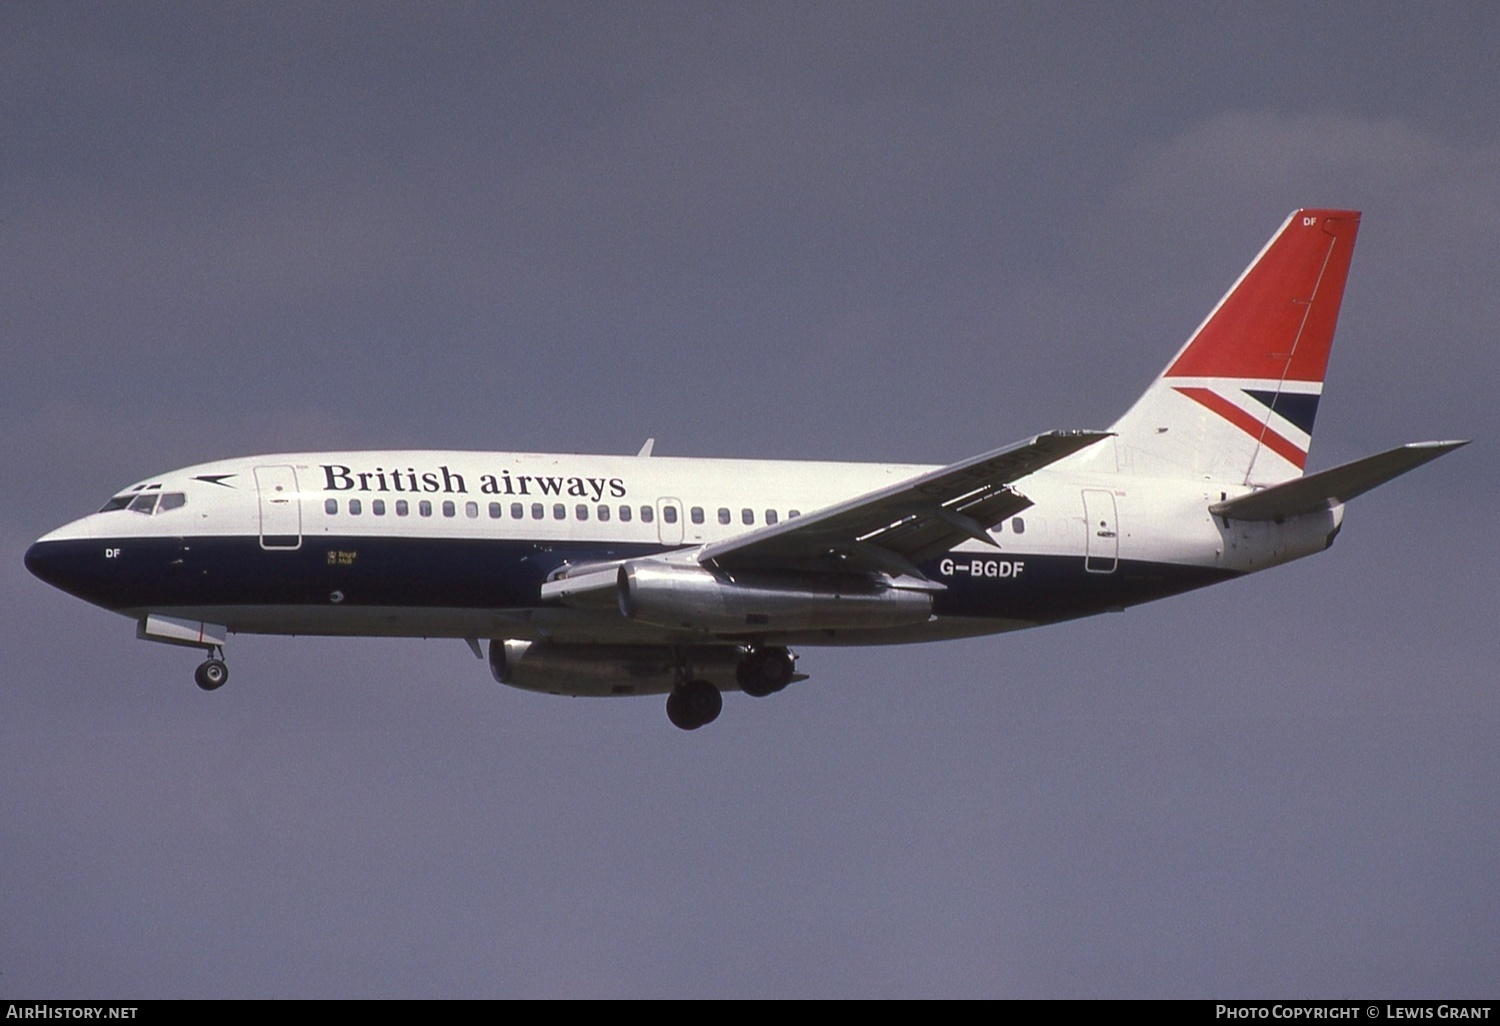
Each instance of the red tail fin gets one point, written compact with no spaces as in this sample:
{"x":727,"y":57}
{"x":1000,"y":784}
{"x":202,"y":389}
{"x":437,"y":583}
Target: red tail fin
{"x":1277,"y":321}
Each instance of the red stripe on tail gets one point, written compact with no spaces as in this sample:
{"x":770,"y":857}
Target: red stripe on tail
{"x":1283,"y":447}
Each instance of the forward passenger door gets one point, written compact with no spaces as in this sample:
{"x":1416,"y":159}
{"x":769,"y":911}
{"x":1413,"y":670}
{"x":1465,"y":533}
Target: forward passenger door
{"x":280,"y":508}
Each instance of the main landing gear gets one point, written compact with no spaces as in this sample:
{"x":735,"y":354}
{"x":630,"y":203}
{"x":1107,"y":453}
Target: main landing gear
{"x":694,"y":704}
{"x":765,"y":671}
{"x":697,"y":703}
{"x":213,"y":671}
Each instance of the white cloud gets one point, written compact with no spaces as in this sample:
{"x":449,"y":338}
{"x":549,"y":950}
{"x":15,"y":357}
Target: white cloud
{"x":1242,"y":159}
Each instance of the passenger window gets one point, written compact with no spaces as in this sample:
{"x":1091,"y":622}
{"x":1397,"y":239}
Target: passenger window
{"x":581,"y":511}
{"x":377,"y":506}
{"x":669,"y":514}
{"x":537,"y":511}
{"x":747,"y":516}
{"x":723,"y":514}
{"x":517,"y":511}
{"x":471,"y":510}
{"x":143,"y":504}
{"x":330,"y":506}
{"x":402,"y":508}
{"x":771,"y":516}
{"x":355,"y":507}
{"x":697,"y":514}
{"x":171,"y":500}
{"x":424,"y":508}
{"x":625,"y":514}
{"x":1018,"y":525}
{"x":559,"y":511}
{"x":647,"y":514}
{"x":448,"y":508}
{"x":793,"y":513}
{"x":495,"y":511}
{"x":603,"y":512}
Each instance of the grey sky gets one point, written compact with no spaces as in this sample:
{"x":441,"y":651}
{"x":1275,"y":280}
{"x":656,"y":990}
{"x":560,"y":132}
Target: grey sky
{"x":826,"y":231}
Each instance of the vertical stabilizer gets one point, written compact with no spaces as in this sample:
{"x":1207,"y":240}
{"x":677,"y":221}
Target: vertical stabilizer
{"x":1238,"y":401}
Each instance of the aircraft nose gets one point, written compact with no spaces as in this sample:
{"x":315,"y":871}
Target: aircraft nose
{"x":46,"y":561}
{"x":62,"y":557}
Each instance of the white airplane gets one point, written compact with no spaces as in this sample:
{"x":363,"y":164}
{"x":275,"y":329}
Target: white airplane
{"x":630,"y":575}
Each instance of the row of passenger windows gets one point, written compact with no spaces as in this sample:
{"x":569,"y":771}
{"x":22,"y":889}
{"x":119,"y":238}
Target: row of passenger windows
{"x":539,"y":511}
{"x":154,"y":502}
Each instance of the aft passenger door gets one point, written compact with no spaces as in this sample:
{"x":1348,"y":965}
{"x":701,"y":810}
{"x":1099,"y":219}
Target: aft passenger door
{"x":280,"y":508}
{"x":1103,"y":547}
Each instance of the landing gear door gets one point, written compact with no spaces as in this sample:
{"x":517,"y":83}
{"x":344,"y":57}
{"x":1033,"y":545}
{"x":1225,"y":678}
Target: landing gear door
{"x":280,"y":508}
{"x":669,"y":521}
{"x":1103,"y":548}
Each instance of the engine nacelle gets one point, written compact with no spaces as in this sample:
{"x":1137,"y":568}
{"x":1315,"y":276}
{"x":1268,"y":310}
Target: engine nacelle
{"x":693,"y":598}
{"x":603,"y":670}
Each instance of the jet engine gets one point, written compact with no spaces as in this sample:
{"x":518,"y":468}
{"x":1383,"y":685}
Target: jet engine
{"x":694,"y":598}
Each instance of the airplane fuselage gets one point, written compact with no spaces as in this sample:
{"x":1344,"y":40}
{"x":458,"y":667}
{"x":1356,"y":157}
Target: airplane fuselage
{"x":459,"y":544}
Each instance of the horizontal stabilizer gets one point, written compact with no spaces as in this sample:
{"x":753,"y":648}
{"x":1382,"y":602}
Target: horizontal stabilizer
{"x":1330,"y":488}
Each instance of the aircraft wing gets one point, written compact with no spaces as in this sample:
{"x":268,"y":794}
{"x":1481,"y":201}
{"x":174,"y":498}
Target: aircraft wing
{"x":893,"y":529}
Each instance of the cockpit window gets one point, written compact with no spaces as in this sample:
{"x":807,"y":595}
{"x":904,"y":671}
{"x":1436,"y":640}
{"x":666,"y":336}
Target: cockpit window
{"x":146,"y":502}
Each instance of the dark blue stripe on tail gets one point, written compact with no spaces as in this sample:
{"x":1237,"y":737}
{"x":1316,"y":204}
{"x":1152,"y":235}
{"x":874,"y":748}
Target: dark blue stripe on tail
{"x":1298,"y":407}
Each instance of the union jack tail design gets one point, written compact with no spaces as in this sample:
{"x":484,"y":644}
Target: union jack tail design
{"x":1238,"y":401}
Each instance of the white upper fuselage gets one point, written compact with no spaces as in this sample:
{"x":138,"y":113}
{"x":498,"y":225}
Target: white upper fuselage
{"x":560,"y":499}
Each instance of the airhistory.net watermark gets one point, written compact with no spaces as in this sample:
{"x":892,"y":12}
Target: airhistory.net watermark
{"x":44,"y":1010}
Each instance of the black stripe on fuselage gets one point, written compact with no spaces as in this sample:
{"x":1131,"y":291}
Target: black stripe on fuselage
{"x":143,"y":573}
{"x":487,"y":574}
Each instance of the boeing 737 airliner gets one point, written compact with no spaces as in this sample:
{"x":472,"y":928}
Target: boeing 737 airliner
{"x":630,"y":575}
